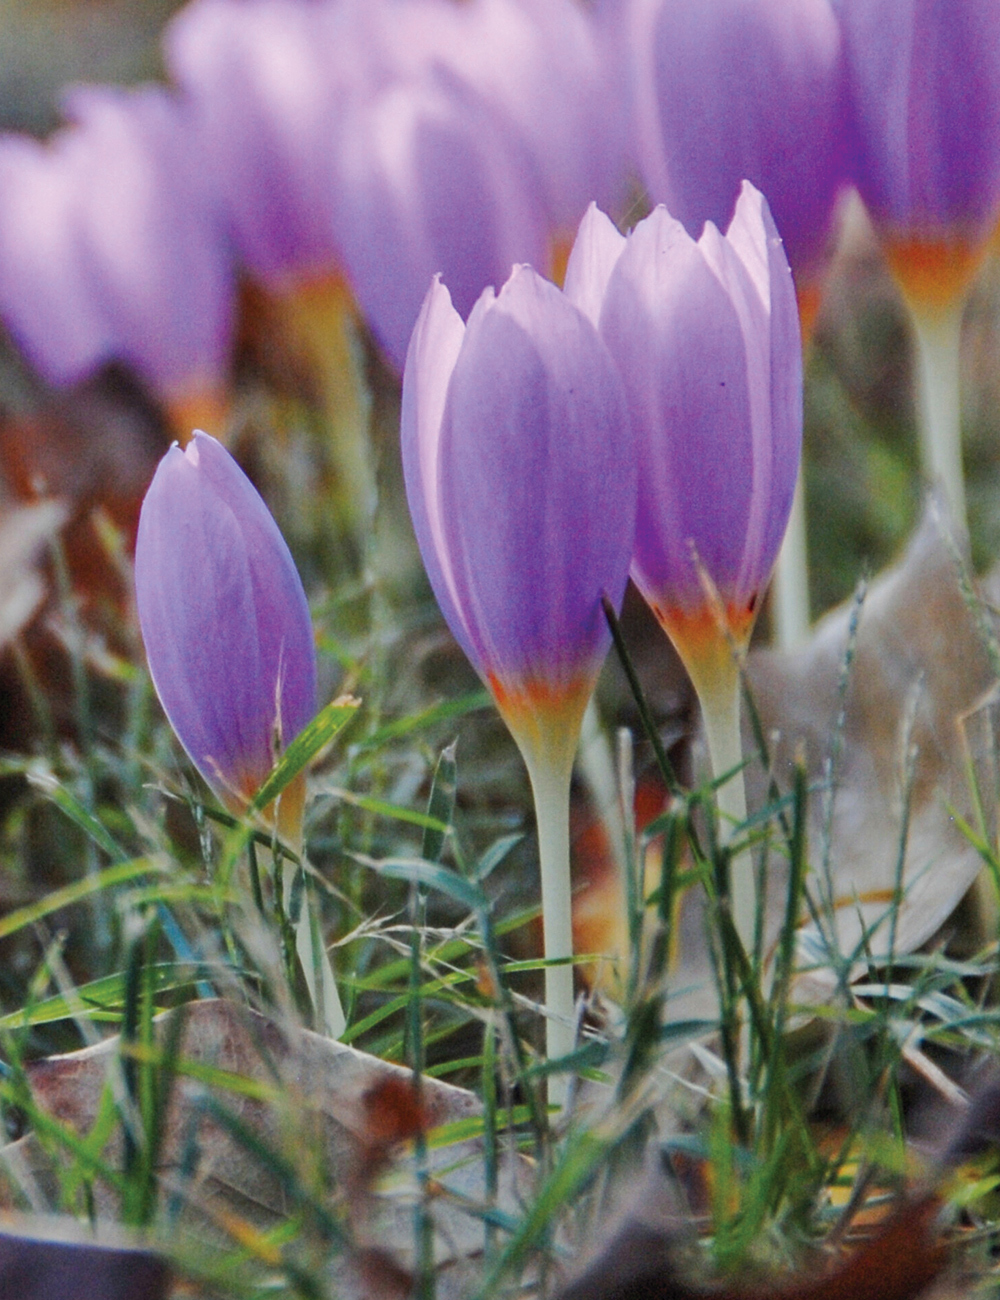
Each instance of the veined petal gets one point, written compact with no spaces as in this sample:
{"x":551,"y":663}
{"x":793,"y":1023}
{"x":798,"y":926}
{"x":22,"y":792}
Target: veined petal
{"x":706,"y":337}
{"x":430,"y":360}
{"x":537,"y":486}
{"x":670,"y":325}
{"x":597,"y":248}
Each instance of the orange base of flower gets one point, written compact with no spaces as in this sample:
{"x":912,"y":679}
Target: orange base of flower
{"x":933,"y":274}
{"x":544,"y":718}
{"x":810,"y":296}
{"x":709,"y":639}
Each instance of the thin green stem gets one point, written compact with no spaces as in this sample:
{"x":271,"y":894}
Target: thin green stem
{"x":938,"y":350}
{"x":550,"y":783}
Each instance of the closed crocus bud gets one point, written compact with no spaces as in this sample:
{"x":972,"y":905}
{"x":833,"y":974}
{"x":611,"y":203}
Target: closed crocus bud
{"x":727,"y":90}
{"x":224,"y":620}
{"x":520,"y":476}
{"x":706,"y":336}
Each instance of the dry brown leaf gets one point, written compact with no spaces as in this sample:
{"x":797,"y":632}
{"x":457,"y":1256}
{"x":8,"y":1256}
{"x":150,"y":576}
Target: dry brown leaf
{"x":330,"y":1102}
{"x":920,"y":665}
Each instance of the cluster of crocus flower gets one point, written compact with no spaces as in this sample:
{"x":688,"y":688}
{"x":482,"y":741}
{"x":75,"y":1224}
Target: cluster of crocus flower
{"x":373,"y":143}
{"x":647,"y":419}
{"x":309,"y":143}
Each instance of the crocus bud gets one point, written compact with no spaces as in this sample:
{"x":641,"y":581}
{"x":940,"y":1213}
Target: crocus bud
{"x":224,"y":619}
{"x":706,"y":337}
{"x":521,"y":481}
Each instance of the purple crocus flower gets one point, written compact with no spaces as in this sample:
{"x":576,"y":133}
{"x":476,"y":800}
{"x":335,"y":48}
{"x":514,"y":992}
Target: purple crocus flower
{"x":264,"y":80}
{"x":110,"y":246}
{"x":520,"y":475}
{"x":224,"y":618}
{"x":727,"y":90}
{"x":706,"y":336}
{"x":390,"y":140}
{"x":925,"y":86}
{"x":431,"y":182}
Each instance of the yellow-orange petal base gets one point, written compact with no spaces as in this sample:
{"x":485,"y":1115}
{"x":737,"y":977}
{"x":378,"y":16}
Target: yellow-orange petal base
{"x":934,"y":273}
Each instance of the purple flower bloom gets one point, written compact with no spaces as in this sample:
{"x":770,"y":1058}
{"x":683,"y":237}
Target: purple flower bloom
{"x":706,"y":337}
{"x":431,"y":182}
{"x":264,"y":80}
{"x":546,"y":66}
{"x":224,"y":618}
{"x":390,"y":140}
{"x":521,"y":481}
{"x":925,"y":83}
{"x":727,"y":90}
{"x":110,"y":247}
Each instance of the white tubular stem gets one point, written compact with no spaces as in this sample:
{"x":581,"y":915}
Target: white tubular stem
{"x":550,"y":787}
{"x":721,"y":712}
{"x":596,"y":764}
{"x":790,"y":588}
{"x":938,"y":348}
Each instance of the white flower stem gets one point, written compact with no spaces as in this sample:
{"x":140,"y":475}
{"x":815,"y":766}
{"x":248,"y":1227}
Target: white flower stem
{"x":937,"y":334}
{"x":790,"y":588}
{"x":720,"y":707}
{"x":596,"y":764}
{"x":550,"y":782}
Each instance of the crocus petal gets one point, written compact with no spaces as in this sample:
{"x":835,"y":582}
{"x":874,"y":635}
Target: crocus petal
{"x":434,"y":348}
{"x":151,"y":238}
{"x":734,"y":89}
{"x":264,"y":79}
{"x":537,"y":486}
{"x":925,"y":85}
{"x":224,"y":618}
{"x":706,"y":338}
{"x":46,"y":298}
{"x":430,"y":181}
{"x":597,"y":248}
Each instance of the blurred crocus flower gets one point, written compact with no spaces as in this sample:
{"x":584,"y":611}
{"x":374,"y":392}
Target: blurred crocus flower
{"x":110,"y":247}
{"x":224,"y":619}
{"x":390,"y":140}
{"x":925,"y":86}
{"x":263,"y":80}
{"x":727,"y":90}
{"x":520,"y":476}
{"x":706,"y":336}
{"x":432,"y":182}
